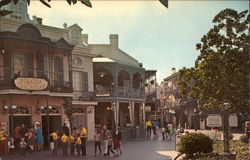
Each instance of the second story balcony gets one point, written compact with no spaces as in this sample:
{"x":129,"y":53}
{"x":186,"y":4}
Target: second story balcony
{"x":83,"y":95}
{"x":54,"y":79}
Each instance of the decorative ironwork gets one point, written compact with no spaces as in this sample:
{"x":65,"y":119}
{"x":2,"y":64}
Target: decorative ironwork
{"x":79,"y":110}
{"x":52,"y":110}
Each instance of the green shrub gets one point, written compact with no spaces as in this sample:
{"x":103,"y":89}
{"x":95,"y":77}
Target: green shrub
{"x":195,"y":143}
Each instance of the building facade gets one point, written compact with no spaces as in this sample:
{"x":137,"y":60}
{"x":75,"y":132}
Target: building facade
{"x":178,"y":110}
{"x":46,"y":74}
{"x":119,"y":86}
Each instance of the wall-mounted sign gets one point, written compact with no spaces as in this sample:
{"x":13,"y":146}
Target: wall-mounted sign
{"x":31,"y":83}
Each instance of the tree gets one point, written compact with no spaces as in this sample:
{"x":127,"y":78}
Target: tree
{"x":85,"y":2}
{"x":221,"y":72}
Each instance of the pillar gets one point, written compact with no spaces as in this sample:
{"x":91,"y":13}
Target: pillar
{"x":115,"y":105}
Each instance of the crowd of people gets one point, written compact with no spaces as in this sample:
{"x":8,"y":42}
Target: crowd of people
{"x":22,"y":139}
{"x":166,"y":129}
{"x":31,"y":140}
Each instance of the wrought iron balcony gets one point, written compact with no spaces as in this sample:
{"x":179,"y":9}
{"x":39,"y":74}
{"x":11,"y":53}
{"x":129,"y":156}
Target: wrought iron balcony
{"x":83,"y":95}
{"x":8,"y":75}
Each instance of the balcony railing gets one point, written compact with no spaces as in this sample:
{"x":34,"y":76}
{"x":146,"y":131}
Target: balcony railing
{"x":7,"y":76}
{"x":119,"y":92}
{"x":130,"y":92}
{"x":83,"y":95}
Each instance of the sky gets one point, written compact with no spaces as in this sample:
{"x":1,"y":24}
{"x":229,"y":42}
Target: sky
{"x":160,"y":38}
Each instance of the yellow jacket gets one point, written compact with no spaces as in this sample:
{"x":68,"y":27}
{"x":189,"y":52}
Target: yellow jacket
{"x":83,"y":133}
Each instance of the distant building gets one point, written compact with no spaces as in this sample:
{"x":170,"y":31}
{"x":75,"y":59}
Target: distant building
{"x":179,"y":111}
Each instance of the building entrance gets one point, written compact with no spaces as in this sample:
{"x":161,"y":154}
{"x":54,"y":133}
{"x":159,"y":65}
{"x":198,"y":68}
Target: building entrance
{"x":50,"y":124}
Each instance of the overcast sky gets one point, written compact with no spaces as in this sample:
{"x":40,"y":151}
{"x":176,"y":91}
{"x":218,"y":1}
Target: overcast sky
{"x":158,"y":37}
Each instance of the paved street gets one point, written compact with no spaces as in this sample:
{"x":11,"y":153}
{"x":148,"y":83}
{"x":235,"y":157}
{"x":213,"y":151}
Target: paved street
{"x":137,"y":149}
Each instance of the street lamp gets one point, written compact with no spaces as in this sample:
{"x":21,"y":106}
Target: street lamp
{"x":11,"y":110}
{"x":225,"y":121}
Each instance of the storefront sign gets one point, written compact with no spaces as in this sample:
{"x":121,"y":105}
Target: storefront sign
{"x":31,"y":83}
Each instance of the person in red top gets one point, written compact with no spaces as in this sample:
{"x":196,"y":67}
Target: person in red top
{"x":3,"y":142}
{"x":17,"y":136}
{"x":117,"y":137}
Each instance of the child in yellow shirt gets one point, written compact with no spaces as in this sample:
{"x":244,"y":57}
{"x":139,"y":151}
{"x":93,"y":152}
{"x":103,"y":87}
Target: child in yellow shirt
{"x":55,"y":137}
{"x":64,"y":140}
{"x":78,"y":144}
{"x":72,"y":144}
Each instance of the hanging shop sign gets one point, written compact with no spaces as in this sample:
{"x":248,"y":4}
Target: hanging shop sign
{"x":31,"y":83}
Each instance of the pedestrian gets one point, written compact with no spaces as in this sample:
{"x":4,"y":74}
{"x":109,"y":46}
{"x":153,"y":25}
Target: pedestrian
{"x":117,"y":137}
{"x":72,"y":139}
{"x":39,"y":137}
{"x":3,"y":142}
{"x":23,"y":131}
{"x":22,"y":147}
{"x":170,"y":130}
{"x":11,"y":145}
{"x":156,"y":127}
{"x":163,"y":130}
{"x":97,"y":139}
{"x":17,"y":136}
{"x":78,"y":145}
{"x":83,"y":135}
{"x":110,"y":145}
{"x":105,"y":132}
{"x":31,"y":140}
{"x":65,"y":129}
{"x":149,"y":127}
{"x":64,"y":140}
{"x":54,"y":143}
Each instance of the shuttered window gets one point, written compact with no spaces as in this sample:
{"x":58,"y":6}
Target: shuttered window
{"x":58,"y":64}
{"x":40,"y":65}
{"x":85,"y":82}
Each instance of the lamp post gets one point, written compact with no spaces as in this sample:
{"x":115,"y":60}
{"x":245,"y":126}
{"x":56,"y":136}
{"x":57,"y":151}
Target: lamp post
{"x":225,"y":118}
{"x":110,"y":109}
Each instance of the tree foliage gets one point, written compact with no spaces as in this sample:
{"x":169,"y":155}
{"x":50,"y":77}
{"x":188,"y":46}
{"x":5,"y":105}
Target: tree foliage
{"x":221,"y":72}
{"x":85,"y":2}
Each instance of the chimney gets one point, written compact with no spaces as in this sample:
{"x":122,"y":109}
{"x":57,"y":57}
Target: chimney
{"x":39,"y":21}
{"x":85,"y":38}
{"x":114,"y":40}
{"x":173,"y":70}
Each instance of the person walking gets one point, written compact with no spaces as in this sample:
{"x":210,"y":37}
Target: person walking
{"x":163,"y":131}
{"x":72,"y":139}
{"x":39,"y":137}
{"x":170,"y":130}
{"x":97,"y":139}
{"x":117,"y":137}
{"x":64,"y":140}
{"x":22,"y":147}
{"x":110,"y":144}
{"x":54,"y":142}
{"x":78,"y":145}
{"x":83,"y":135}
{"x":105,"y":132}
{"x":149,"y":127}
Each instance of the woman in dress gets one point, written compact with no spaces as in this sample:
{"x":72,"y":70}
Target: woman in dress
{"x":39,"y":137}
{"x":117,"y":137}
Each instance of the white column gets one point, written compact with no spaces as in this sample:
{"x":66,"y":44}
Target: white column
{"x":132,"y":112}
{"x":115,"y":105}
{"x":91,"y":122}
{"x":143,"y":114}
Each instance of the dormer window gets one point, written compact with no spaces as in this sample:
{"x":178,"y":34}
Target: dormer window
{"x":74,"y":37}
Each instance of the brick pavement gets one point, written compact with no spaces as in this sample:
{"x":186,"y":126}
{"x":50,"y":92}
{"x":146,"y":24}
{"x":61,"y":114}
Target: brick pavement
{"x":135,"y":149}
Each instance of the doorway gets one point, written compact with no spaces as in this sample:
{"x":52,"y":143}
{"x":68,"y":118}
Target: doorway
{"x":50,"y":124}
{"x":17,"y":121}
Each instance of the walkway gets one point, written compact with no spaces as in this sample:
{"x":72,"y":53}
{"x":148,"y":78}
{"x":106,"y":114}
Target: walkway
{"x":137,"y":149}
